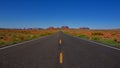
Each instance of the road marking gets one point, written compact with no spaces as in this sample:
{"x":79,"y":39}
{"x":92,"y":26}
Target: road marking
{"x":97,"y":43}
{"x":60,"y":41}
{"x":22,"y":43}
{"x":61,"y":57}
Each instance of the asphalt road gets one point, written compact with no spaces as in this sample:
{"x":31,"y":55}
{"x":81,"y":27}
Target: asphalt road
{"x":59,"y":51}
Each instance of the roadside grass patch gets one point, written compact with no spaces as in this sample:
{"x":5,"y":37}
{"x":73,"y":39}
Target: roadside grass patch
{"x":110,"y":42}
{"x":83,"y":36}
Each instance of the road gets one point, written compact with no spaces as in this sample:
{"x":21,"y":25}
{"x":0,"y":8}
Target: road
{"x":59,"y":51}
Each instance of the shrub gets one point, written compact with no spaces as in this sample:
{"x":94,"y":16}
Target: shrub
{"x":83,"y":36}
{"x":95,"y":38}
{"x":97,"y":33}
{"x":1,"y":37}
{"x":2,"y":42}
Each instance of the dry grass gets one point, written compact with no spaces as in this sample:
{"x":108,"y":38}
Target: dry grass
{"x":111,"y":37}
{"x":8,"y":37}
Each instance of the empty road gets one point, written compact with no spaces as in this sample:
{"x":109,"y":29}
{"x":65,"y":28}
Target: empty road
{"x":59,"y":51}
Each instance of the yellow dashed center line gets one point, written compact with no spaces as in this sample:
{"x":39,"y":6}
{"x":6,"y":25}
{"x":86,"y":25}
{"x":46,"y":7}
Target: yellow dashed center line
{"x":61,"y":57}
{"x":60,"y":41}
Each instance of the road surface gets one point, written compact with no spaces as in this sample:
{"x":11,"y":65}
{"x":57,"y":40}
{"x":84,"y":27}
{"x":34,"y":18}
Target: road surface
{"x":59,"y":51}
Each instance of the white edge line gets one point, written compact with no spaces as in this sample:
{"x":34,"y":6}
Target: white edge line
{"x":99,"y":43}
{"x":21,"y":43}
{"x":96,"y":42}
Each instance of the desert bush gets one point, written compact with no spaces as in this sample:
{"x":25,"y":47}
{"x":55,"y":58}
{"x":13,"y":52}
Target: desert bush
{"x":95,"y":38}
{"x":83,"y":36}
{"x":97,"y":33}
{"x":1,"y":37}
{"x":117,"y":40}
{"x":2,"y":42}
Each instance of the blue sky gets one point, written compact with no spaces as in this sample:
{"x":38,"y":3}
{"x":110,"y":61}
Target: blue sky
{"x":96,"y":14}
